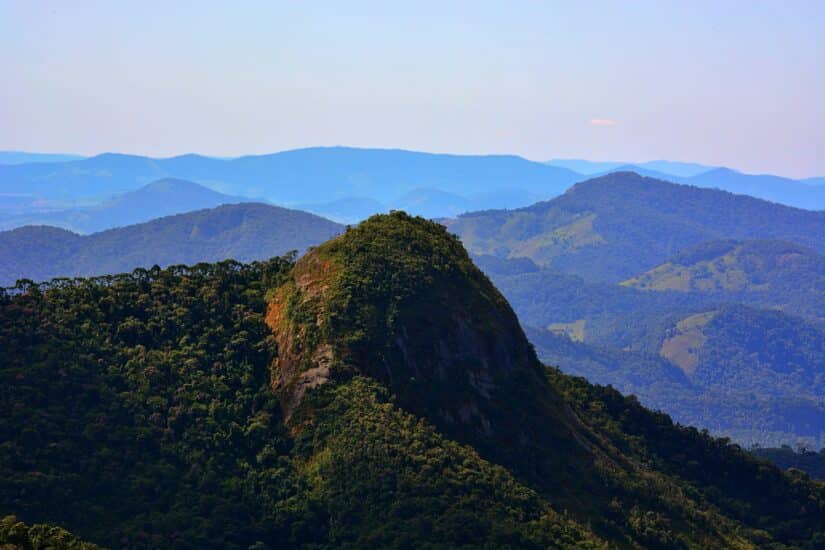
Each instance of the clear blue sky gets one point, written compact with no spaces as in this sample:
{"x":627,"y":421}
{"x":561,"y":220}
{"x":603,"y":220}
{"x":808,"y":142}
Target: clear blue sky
{"x":739,"y":83}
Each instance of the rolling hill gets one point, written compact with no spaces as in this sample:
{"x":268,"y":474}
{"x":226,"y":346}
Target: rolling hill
{"x":735,"y":266}
{"x":377,"y":392}
{"x":752,"y":350}
{"x":157,"y":199}
{"x":765,"y":367}
{"x":614,"y":227}
{"x":243,"y":232}
{"x":775,"y":273}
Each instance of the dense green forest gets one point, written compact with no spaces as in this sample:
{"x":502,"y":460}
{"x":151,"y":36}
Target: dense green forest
{"x":244,"y":232}
{"x":378,"y":392}
{"x":134,"y":404}
{"x":14,"y":534}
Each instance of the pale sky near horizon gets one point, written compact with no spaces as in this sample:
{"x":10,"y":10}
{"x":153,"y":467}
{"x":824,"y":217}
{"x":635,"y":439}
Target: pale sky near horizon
{"x":736,"y":83}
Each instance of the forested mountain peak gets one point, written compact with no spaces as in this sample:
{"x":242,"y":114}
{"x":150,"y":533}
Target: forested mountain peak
{"x":398,"y":299}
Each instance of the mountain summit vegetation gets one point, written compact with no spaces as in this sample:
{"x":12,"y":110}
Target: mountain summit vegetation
{"x":377,"y":392}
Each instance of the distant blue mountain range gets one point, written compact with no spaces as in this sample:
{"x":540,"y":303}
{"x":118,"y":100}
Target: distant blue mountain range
{"x":347,"y":184}
{"x":21,"y":157}
{"x":304,"y":175}
{"x":673,"y":168}
{"x":316,"y":176}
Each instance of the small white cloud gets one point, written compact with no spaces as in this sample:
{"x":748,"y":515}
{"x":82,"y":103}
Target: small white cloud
{"x":602,"y":122}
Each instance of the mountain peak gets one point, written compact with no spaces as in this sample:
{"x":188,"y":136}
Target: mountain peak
{"x":119,"y":157}
{"x":190,"y":157}
{"x":174,"y":184}
{"x":398,"y":299}
{"x":623,"y":177}
{"x":161,"y":197}
{"x":721,"y":171}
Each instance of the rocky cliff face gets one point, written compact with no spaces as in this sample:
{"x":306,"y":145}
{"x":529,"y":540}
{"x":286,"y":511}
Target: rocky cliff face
{"x":296,"y":316}
{"x":398,"y":299}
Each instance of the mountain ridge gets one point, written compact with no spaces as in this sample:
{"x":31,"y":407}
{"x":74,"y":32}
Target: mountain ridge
{"x":297,"y":176}
{"x":669,"y":167}
{"x":613,"y":227}
{"x":245,"y":232}
{"x":25,"y":157}
{"x":320,"y":175}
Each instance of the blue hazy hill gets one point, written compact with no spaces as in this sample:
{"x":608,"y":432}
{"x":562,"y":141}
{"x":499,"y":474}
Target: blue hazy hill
{"x":154,"y":200}
{"x":22,"y":157}
{"x":585,"y":167}
{"x":669,"y":167}
{"x":763,"y":186}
